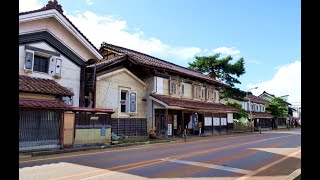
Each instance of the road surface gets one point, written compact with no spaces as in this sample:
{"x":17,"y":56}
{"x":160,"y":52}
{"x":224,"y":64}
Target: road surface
{"x":270,"y":155}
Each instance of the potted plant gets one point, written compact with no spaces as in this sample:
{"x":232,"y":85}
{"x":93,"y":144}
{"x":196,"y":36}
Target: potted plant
{"x":152,"y":133}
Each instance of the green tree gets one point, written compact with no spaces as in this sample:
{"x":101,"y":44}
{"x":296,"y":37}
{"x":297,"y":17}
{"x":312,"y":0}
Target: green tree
{"x":241,"y":114}
{"x":221,"y":68}
{"x":277,"y":107}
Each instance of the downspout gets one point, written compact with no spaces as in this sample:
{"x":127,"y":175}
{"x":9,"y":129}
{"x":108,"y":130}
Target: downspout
{"x":94,"y":85}
{"x":152,"y":107}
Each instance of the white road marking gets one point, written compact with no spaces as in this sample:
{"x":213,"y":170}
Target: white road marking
{"x":293,"y":175}
{"x":212,"y":166}
{"x":280,"y":151}
{"x":269,"y":165}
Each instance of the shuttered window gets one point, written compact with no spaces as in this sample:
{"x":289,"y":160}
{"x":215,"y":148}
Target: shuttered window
{"x":182,"y":89}
{"x":133,"y":102}
{"x":39,"y":60}
{"x":28,"y":60}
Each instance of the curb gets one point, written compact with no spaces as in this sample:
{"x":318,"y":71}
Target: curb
{"x":43,"y":153}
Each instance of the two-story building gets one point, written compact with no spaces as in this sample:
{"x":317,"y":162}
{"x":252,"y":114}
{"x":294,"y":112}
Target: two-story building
{"x":53,"y":55}
{"x":254,"y":106}
{"x":165,"y":96}
{"x":257,"y":107}
{"x":279,"y":122}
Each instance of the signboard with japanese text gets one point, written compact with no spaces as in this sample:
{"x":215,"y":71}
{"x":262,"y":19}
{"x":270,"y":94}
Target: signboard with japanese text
{"x":169,"y":129}
{"x":207,"y":121}
{"x":216,"y":121}
{"x":223,"y":121}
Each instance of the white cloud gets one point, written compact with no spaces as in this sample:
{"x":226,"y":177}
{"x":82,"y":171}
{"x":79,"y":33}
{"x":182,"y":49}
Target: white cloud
{"x":185,"y":53}
{"x":286,"y":81}
{"x":114,"y":31}
{"x":89,"y":2}
{"x":228,"y":51}
{"x":254,"y":62}
{"x":28,"y":5}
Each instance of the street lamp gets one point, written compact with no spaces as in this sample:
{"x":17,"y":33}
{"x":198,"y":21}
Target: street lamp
{"x":250,"y":106}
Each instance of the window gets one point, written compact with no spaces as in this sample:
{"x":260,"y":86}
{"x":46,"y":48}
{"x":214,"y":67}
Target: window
{"x":182,"y":89}
{"x":128,"y":102}
{"x":262,"y":108}
{"x":202,"y":93}
{"x":217,"y":95}
{"x":41,"y":64}
{"x":208,"y":94}
{"x":133,"y":102}
{"x":44,"y":61}
{"x":123,"y":101}
{"x":173,"y":88}
{"x":257,"y":107}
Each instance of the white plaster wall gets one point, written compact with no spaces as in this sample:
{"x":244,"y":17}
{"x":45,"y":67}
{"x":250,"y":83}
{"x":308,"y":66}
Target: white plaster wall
{"x":56,"y":29}
{"x":107,"y":94}
{"x":70,"y":72}
{"x":187,"y":91}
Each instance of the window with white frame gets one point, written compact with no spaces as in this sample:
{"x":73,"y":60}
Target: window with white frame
{"x":173,"y":88}
{"x":128,"y":101}
{"x":262,"y":108}
{"x":43,"y":61}
{"x":216,"y":95}
{"x":208,"y":93}
{"x":202,"y":93}
{"x":182,"y":89}
{"x":257,"y":107}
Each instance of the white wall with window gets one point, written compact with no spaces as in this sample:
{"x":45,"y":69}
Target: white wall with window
{"x":128,"y":101}
{"x":43,"y":64}
{"x":182,"y":89}
{"x":173,"y":87}
{"x":124,"y":92}
{"x":216,"y":96}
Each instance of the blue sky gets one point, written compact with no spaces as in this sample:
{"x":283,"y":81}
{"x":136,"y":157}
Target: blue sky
{"x":267,"y":33}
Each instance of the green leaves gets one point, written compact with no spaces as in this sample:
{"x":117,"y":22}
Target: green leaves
{"x":277,"y":108}
{"x":219,"y":68}
{"x":242,"y":113}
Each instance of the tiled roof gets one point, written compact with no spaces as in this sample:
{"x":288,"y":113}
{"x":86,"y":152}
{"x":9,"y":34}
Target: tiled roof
{"x":254,"y":98}
{"x":39,"y":103}
{"x":192,"y":104}
{"x":261,"y":115}
{"x":147,"y":60}
{"x":101,"y":110}
{"x":271,"y":95}
{"x":108,"y":62}
{"x":54,"y":5}
{"x":42,"y":86}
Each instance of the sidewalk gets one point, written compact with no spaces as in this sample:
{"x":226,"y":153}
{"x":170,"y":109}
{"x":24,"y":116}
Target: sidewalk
{"x":167,"y":140}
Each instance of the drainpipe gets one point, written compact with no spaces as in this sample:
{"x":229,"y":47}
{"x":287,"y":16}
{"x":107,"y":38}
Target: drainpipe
{"x":94,"y":85}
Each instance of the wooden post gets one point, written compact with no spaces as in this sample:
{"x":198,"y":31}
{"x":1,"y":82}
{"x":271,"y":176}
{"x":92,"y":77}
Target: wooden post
{"x":182,"y":122}
{"x":166,"y":125}
{"x":220,"y":123}
{"x":212,"y":122}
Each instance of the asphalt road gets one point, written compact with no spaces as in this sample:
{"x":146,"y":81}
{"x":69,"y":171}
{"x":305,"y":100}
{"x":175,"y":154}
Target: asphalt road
{"x":270,"y":155}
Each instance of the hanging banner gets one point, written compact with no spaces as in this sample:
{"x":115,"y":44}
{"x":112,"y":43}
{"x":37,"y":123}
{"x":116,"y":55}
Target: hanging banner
{"x":195,"y":122}
{"x":175,"y":121}
{"x":190,"y":123}
{"x":169,"y":129}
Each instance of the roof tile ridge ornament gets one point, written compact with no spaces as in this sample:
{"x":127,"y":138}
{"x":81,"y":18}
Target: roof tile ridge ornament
{"x":53,"y":5}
